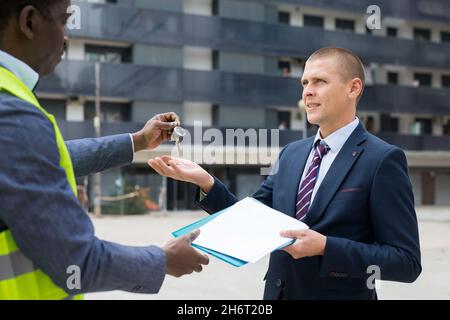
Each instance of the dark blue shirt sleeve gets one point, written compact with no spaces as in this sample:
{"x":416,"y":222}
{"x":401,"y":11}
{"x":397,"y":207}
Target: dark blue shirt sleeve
{"x":98,"y":154}
{"x":49,"y":226}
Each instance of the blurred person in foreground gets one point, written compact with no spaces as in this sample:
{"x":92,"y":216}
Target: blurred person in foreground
{"x":44,"y":232}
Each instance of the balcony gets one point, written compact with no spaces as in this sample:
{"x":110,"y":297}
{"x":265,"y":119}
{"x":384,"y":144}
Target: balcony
{"x":78,"y":130}
{"x":429,"y":10}
{"x":171,"y":85}
{"x":137,"y":25}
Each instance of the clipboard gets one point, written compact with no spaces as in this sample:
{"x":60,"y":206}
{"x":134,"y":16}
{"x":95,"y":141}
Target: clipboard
{"x":226,"y":258}
{"x":193,"y":226}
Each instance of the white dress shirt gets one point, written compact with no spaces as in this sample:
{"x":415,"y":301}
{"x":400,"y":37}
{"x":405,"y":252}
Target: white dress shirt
{"x":335,"y":141}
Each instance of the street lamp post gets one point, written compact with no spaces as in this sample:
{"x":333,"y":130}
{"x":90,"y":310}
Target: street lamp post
{"x":97,"y":126}
{"x":302,"y":107}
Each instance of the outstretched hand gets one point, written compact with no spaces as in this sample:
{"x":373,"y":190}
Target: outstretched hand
{"x":182,"y":170}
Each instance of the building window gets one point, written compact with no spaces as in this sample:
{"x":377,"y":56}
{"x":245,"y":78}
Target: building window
{"x":447,"y":128}
{"x":421,"y":126}
{"x":345,"y":25}
{"x":445,"y":36}
{"x":388,"y":123}
{"x":215,"y":60}
{"x":107,"y":54}
{"x":284,"y":67}
{"x":215,"y":115}
{"x":110,"y":112}
{"x":446,"y":81}
{"x":57,"y":108}
{"x":423,"y":79}
{"x":391,"y":32}
{"x":215,"y":7}
{"x":284,"y":120}
{"x":313,"y":21}
{"x":284,"y":17}
{"x":392,"y":77}
{"x":422,"y":34}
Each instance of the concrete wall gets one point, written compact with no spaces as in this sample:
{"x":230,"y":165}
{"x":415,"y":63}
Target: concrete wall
{"x":442,"y":197}
{"x":241,"y":117}
{"x":162,"y":56}
{"x":142,"y":111}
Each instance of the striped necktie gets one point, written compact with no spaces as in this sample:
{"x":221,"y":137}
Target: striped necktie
{"x":307,"y":185}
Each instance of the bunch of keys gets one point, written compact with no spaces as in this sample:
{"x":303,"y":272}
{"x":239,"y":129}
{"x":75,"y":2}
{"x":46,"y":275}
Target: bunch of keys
{"x":177,"y":136}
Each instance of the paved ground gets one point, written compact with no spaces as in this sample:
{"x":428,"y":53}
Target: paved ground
{"x":223,"y":282}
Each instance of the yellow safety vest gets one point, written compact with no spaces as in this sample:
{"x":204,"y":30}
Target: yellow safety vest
{"x":20,"y":279}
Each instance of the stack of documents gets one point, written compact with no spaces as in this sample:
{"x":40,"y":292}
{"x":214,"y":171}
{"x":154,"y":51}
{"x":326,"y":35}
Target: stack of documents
{"x":242,"y":233}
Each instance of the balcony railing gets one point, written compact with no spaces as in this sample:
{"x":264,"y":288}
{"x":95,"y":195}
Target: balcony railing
{"x":171,"y":85}
{"x":138,"y":25}
{"x":78,"y":130}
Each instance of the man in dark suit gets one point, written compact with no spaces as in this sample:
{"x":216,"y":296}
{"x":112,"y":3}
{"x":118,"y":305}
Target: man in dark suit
{"x":349,"y":186}
{"x":43,"y":229}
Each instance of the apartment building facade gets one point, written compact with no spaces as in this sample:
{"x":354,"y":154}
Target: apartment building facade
{"x":234,"y":64}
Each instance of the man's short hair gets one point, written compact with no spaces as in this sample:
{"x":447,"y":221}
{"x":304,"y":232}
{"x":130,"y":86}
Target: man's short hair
{"x":350,"y":65}
{"x":11,"y":8}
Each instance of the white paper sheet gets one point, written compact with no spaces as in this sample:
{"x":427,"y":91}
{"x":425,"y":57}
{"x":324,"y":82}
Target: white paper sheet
{"x":248,"y":230}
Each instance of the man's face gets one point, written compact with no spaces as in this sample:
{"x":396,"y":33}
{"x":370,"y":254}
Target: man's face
{"x":50,"y":37}
{"x":325,"y":93}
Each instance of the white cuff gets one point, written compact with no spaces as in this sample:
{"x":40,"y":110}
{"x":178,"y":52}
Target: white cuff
{"x":132,"y":145}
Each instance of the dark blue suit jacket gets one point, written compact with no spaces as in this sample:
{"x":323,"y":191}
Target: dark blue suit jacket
{"x":364,"y":206}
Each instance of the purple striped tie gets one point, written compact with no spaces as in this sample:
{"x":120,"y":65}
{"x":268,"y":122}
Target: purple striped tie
{"x":307,"y":185}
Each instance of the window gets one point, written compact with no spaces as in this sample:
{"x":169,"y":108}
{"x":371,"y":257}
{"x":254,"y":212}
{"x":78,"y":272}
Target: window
{"x":392,"y":77}
{"x":388,"y":123}
{"x":284,"y":120}
{"x":422,"y":34}
{"x":284,"y":67}
{"x":215,"y":7}
{"x":284,"y":17}
{"x":57,"y":108}
{"x":446,"y":81}
{"x":391,"y":32}
{"x":423,"y":79}
{"x":445,"y":36}
{"x":421,"y":126}
{"x":345,"y":25}
{"x":313,"y":21}
{"x":107,"y":54}
{"x":110,"y":112}
{"x":215,"y":60}
{"x":447,"y":128}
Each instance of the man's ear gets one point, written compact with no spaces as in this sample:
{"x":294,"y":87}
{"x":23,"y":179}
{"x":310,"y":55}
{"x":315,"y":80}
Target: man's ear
{"x":28,"y":21}
{"x":355,"y":87}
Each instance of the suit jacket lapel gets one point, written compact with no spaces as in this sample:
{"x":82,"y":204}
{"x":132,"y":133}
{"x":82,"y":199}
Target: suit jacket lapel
{"x":294,"y":172}
{"x":339,"y":169}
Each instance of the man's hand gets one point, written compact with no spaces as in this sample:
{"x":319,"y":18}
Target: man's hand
{"x":309,"y":243}
{"x":182,"y":170}
{"x":182,"y":258}
{"x":156,"y":131}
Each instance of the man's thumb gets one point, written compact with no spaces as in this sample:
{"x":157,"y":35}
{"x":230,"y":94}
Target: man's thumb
{"x":194,"y":235}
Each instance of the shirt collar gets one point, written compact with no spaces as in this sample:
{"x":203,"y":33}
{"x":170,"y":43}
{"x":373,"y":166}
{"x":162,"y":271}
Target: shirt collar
{"x":337,"y":139}
{"x":20,"y":69}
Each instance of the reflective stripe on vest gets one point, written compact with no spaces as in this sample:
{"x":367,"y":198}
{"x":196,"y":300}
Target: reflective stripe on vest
{"x":19,"y":277}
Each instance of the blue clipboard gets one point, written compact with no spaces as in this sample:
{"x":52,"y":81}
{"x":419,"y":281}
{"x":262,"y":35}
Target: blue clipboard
{"x":193,"y":226}
{"x":228,"y":259}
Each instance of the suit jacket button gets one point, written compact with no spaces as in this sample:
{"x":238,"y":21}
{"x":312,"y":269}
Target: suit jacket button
{"x":279,"y":283}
